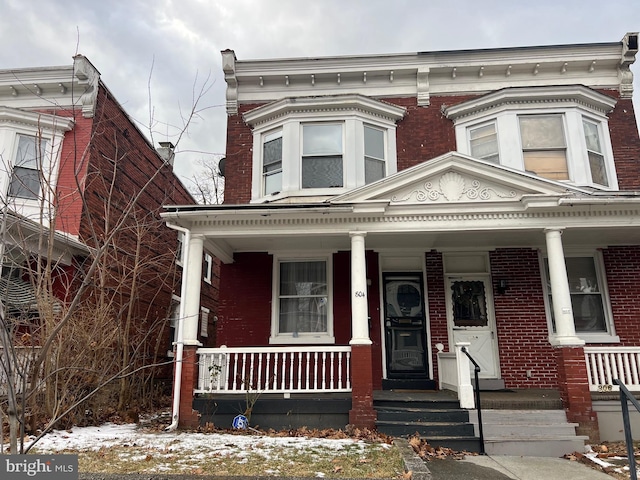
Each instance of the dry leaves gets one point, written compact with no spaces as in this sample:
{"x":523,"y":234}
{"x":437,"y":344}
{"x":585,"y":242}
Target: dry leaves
{"x":428,"y":452}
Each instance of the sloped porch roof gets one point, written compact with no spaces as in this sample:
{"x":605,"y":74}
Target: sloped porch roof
{"x":451,"y":202}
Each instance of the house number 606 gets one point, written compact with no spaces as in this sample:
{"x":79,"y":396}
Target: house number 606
{"x":359,"y":294}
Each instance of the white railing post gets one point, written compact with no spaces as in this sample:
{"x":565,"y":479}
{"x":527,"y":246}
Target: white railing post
{"x":465,"y":389}
{"x":605,"y":364}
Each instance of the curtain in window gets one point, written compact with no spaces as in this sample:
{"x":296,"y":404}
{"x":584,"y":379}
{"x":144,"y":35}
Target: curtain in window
{"x":25,"y":178}
{"x":303,"y":297}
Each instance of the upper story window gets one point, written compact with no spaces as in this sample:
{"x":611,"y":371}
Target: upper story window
{"x":374,"y":154}
{"x":559,"y":133}
{"x":321,"y":146}
{"x":272,"y":162}
{"x":207,"y":268}
{"x":322,"y":156}
{"x":544,"y":149}
{"x":483,"y":142}
{"x":27,"y":167}
{"x":180,"y":249}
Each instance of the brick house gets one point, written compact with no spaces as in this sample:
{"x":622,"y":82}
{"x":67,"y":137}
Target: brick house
{"x":383,"y":211}
{"x":72,"y":163}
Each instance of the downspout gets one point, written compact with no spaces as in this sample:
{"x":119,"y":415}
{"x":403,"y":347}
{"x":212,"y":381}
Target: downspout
{"x":177,"y":386}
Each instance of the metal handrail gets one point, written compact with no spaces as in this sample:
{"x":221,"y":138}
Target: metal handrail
{"x":625,"y":397}
{"x":476,"y":391}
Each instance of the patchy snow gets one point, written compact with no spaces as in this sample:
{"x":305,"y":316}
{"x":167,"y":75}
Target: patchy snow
{"x":129,"y":435}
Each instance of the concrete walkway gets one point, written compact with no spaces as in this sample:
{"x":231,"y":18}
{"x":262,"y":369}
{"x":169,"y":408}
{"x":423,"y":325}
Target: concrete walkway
{"x":501,"y":467}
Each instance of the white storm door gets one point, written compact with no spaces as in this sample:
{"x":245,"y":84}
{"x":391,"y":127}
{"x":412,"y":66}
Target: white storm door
{"x":471,"y":319}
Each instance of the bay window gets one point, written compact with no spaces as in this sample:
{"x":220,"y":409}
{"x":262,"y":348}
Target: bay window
{"x":559,"y":133}
{"x":321,"y":146}
{"x":302,"y":302}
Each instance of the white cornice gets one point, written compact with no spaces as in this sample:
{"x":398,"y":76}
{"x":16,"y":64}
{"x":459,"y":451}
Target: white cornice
{"x":601,"y":65}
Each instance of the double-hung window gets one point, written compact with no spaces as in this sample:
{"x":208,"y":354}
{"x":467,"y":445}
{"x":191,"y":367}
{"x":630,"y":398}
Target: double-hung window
{"x":374,"y":158}
{"x":322,"y":156}
{"x":272,"y":162}
{"x":543,"y":146}
{"x":597,"y":164}
{"x":589,"y":301}
{"x":483,"y":142}
{"x":302,"y":307}
{"x":25,"y":177}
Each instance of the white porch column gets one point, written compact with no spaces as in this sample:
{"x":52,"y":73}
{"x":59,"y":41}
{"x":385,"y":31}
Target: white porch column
{"x":192,"y":278}
{"x":359,"y":307}
{"x":560,"y":293}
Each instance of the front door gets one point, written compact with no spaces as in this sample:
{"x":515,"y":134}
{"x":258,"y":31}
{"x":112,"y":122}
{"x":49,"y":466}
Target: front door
{"x":404,"y":320}
{"x":471,"y":319}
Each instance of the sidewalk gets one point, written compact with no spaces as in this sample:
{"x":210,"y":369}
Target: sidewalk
{"x":501,"y":467}
{"x":497,"y":467}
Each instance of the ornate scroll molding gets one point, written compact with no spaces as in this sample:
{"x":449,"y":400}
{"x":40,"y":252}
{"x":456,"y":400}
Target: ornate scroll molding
{"x":453,"y":187}
{"x":87,"y":75}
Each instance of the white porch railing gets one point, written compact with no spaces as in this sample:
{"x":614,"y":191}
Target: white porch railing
{"x":604,"y":364}
{"x":454,"y":373}
{"x":274,"y":369}
{"x":20,"y":359}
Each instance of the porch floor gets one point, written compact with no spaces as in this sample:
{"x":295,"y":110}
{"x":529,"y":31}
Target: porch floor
{"x":516,"y":399}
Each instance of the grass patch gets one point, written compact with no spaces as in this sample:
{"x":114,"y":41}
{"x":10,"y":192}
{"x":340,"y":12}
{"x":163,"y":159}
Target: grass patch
{"x":358,"y":460}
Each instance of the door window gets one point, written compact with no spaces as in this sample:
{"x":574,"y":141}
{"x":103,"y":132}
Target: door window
{"x":469,"y":304}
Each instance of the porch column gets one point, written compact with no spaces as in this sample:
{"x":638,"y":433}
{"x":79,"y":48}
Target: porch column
{"x":561,"y":296}
{"x":572,"y":367}
{"x":188,"y":322}
{"x":362,"y":414}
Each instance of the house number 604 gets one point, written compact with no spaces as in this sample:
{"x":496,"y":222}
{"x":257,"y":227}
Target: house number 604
{"x":359,"y":294}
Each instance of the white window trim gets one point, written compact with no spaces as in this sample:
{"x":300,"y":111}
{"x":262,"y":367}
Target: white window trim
{"x":204,"y":321}
{"x":208,"y":267}
{"x":180,"y":246}
{"x":572,"y":102}
{"x":303,"y":337}
{"x":50,"y":128}
{"x":596,"y":337}
{"x":352,"y":111}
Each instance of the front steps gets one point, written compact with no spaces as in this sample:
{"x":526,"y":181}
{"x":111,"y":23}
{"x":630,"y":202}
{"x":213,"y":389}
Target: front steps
{"x":437,"y":418}
{"x":534,"y":433}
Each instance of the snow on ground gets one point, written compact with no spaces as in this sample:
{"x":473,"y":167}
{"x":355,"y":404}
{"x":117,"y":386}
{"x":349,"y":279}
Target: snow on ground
{"x":111,"y":435}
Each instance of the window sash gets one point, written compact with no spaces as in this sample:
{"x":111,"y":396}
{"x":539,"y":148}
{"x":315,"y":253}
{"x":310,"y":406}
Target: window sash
{"x":272,"y":163}
{"x":303,"y":297}
{"x":25,"y":176}
{"x":597,"y":165}
{"x":322,"y":172}
{"x":587,"y":297}
{"x":483,"y":142}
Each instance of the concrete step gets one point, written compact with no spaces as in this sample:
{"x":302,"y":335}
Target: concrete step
{"x":399,"y":414}
{"x":537,"y":433}
{"x":426,"y":430}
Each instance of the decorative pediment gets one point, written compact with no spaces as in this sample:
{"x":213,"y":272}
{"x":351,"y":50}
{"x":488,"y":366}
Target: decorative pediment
{"x":456,"y":178}
{"x":454,"y":187}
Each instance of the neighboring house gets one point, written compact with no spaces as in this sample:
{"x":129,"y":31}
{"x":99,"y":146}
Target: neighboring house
{"x":73,"y":162}
{"x":378,"y":206}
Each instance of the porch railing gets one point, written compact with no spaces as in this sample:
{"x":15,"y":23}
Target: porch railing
{"x":454,"y":373}
{"x":20,"y":359}
{"x":274,"y":369}
{"x":605,"y":364}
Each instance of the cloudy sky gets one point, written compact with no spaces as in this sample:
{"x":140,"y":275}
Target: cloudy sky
{"x":174,"y":45}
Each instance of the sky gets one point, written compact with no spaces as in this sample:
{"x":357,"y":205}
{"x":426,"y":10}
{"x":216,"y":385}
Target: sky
{"x":156,"y":56}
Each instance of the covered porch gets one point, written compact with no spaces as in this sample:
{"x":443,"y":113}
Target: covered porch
{"x":401,"y":224}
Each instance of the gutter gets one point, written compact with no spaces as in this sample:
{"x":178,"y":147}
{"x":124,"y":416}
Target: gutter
{"x":175,"y":413}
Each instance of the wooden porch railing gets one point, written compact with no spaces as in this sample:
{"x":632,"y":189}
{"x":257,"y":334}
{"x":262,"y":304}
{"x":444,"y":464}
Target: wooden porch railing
{"x":605,"y":364}
{"x":274,"y":369}
{"x":20,"y":359}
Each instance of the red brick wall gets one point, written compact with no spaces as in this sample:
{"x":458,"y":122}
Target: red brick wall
{"x":437,"y":307}
{"x":623,"y":271}
{"x":523,"y":334}
{"x":625,"y":142}
{"x":120,"y":164}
